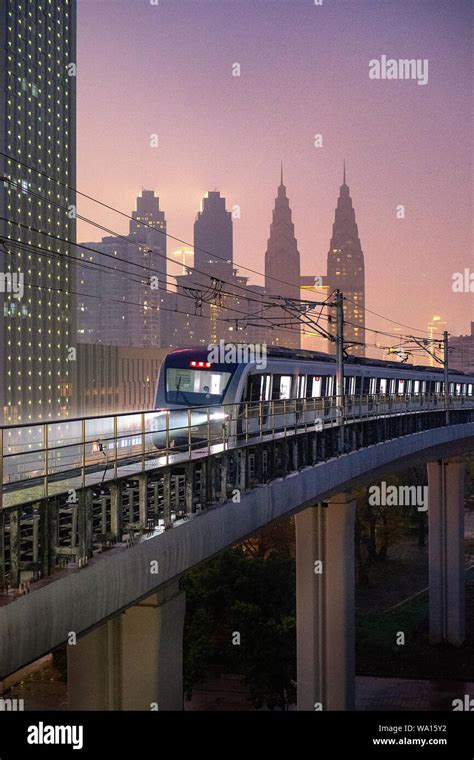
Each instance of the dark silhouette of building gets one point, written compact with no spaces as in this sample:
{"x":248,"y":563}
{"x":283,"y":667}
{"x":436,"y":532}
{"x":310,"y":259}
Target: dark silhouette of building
{"x":282,"y":271}
{"x":212,"y":295}
{"x":345,"y":271}
{"x":461,"y":352}
{"x":213,"y":244}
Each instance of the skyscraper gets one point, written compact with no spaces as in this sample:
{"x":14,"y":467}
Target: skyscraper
{"x":213,"y":245}
{"x":212,"y":301}
{"x":346,"y":272}
{"x":148,"y":229}
{"x":122,"y":308}
{"x":282,"y":270}
{"x":461,"y":352}
{"x":37,"y":128}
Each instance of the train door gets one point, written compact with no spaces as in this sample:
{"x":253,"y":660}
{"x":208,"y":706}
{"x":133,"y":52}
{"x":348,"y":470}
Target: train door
{"x":330,"y":390}
{"x":301,"y":383}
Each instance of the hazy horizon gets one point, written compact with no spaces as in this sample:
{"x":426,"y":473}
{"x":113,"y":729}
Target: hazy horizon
{"x":166,"y":69}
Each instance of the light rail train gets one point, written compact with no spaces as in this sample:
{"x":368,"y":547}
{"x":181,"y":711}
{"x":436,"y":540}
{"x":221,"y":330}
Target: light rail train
{"x":198,"y":400}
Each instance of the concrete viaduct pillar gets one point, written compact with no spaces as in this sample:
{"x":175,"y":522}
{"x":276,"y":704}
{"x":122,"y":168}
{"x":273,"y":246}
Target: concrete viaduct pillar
{"x":446,"y":551}
{"x":325,"y":620}
{"x":134,"y":661}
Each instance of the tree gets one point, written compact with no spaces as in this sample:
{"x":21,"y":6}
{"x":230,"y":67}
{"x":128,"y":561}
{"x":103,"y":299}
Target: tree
{"x":239,"y":592}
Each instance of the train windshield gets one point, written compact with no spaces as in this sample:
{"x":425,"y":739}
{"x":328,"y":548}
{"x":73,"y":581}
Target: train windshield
{"x":195,"y":386}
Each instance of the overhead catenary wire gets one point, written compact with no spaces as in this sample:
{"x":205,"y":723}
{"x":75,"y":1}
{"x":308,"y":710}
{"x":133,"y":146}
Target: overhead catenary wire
{"x":49,"y":288}
{"x":285,"y":328}
{"x":128,"y":216}
{"x":87,"y":264}
{"x":157,"y":230}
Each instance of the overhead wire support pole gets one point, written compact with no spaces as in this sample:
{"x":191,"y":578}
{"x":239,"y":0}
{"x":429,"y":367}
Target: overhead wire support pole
{"x":340,"y":401}
{"x":429,"y":346}
{"x":446,"y":374}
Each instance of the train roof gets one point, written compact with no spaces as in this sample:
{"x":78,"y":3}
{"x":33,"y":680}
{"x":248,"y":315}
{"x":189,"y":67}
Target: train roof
{"x":283,"y":352}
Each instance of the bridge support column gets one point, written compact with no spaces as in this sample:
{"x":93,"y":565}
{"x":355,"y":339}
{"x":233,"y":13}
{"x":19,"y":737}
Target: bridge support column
{"x":325,"y":605}
{"x":446,"y":551}
{"x":134,"y":661}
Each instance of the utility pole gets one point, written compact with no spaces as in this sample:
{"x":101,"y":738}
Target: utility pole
{"x":340,"y":402}
{"x":446,"y":375}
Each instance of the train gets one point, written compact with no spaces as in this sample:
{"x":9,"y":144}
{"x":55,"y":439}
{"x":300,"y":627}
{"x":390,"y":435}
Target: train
{"x":200,"y":400}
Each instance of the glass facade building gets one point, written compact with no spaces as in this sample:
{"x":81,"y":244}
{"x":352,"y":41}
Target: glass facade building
{"x":37,"y":209}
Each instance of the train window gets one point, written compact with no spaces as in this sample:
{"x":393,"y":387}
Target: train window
{"x":408,"y":388}
{"x":358,"y":385}
{"x":301,"y":385}
{"x":285,"y":387}
{"x":383,"y":386}
{"x":423,"y":387}
{"x":437,"y":387}
{"x":258,"y":388}
{"x":401,"y":387}
{"x":373,"y":386}
{"x":458,"y":389}
{"x":195,"y":386}
{"x":469,"y":389}
{"x":365,"y":386}
{"x":392,"y":386}
{"x":349,"y":384}
{"x":268,"y":387}
{"x":281,"y":388}
{"x":330,"y":386}
{"x":276,"y":387}
{"x":314,"y":386}
{"x":416,"y":386}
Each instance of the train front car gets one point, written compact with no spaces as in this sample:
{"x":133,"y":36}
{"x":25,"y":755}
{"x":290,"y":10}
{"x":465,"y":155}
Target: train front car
{"x":191,"y":396}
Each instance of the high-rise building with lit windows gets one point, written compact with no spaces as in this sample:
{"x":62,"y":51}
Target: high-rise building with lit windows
{"x":346,"y":272}
{"x":123,"y":307}
{"x":37,"y":162}
{"x":212,"y":301}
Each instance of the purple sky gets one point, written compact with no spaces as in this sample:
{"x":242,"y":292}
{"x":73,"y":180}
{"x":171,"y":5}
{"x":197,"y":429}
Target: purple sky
{"x":167,"y":69}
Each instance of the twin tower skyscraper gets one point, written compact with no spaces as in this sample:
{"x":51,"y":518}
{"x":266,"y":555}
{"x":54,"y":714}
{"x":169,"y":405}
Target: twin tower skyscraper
{"x":211,"y":300}
{"x":345,"y":271}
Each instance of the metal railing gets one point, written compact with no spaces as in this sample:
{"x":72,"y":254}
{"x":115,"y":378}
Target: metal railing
{"x":79,"y":452}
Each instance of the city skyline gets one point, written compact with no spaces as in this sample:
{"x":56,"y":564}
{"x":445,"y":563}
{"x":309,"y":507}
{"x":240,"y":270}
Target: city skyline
{"x":237,"y":342}
{"x":396,"y":153}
